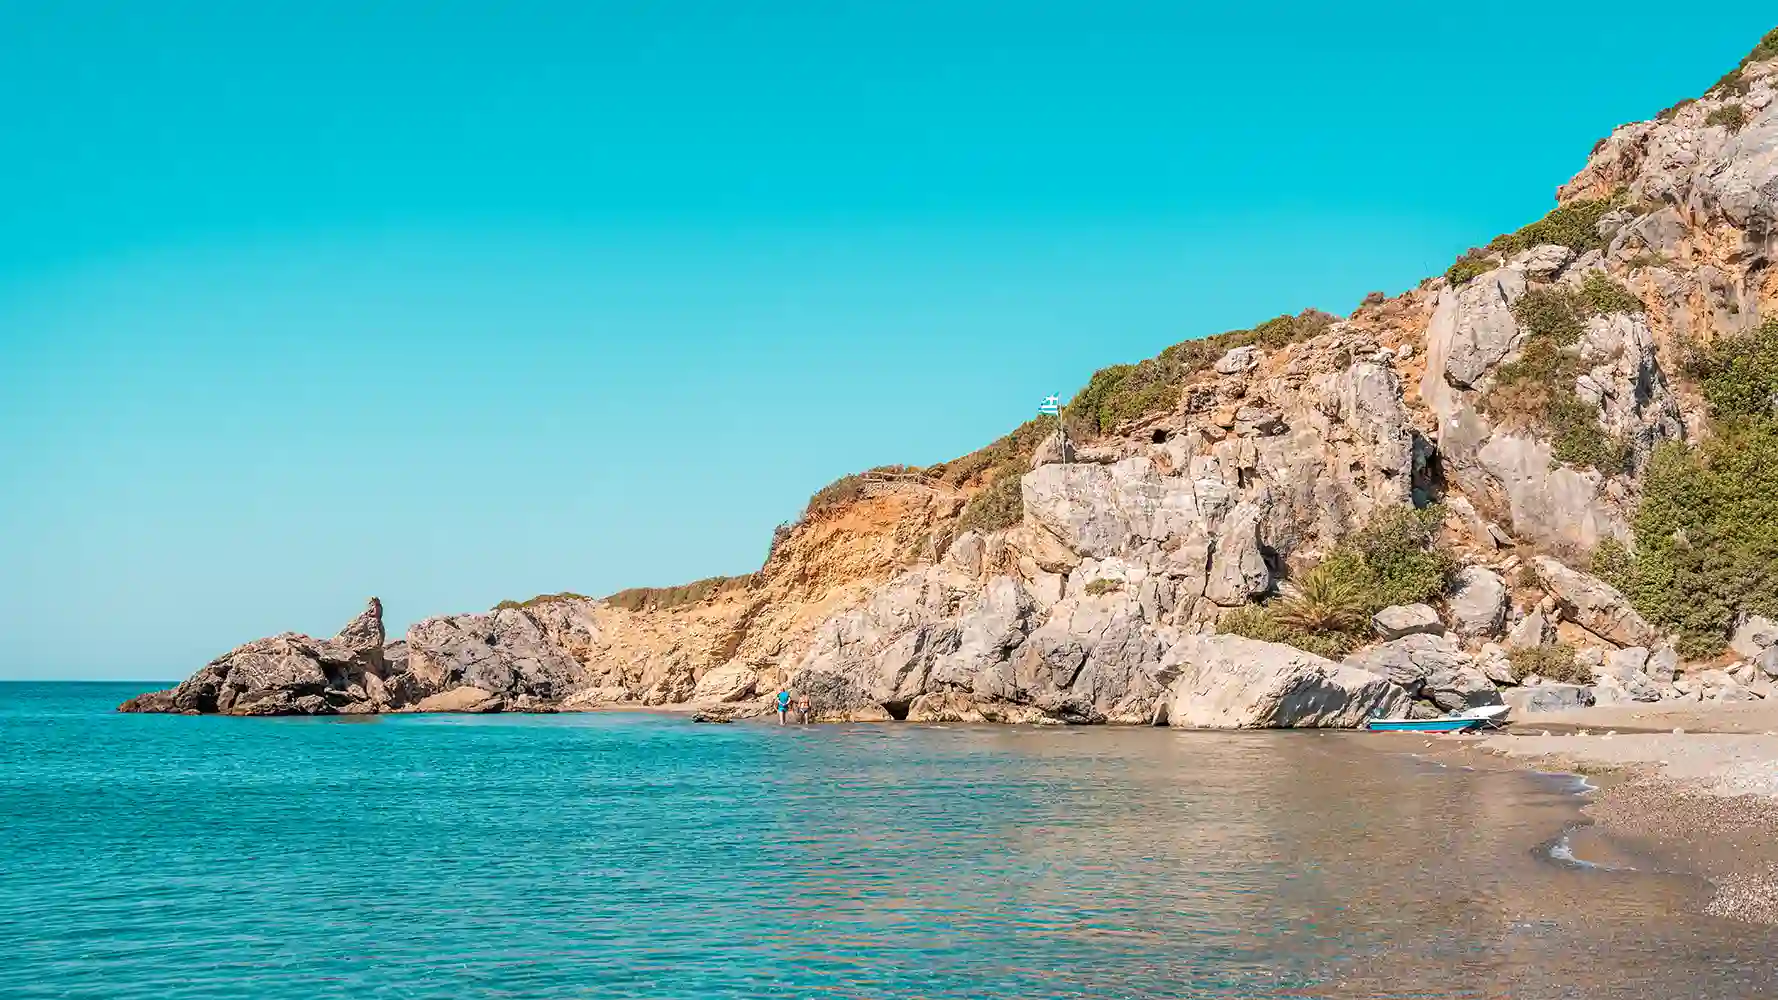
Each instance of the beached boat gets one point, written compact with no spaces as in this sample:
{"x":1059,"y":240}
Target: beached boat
{"x":1457,"y":722}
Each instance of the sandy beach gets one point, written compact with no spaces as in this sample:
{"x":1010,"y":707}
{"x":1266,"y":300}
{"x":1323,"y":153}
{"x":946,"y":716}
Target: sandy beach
{"x":1687,"y":788}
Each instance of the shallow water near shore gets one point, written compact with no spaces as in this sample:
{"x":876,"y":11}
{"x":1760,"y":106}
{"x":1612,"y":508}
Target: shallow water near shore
{"x":632,"y":855}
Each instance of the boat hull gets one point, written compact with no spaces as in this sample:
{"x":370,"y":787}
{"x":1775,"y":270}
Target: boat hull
{"x":1422,"y":725}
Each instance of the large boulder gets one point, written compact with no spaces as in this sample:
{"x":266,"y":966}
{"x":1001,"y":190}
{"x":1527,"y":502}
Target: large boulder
{"x":287,"y":674}
{"x":1593,"y":604}
{"x":1232,"y":682}
{"x":1432,"y":667}
{"x":1478,"y":603}
{"x":729,"y":682}
{"x":1407,"y":619}
{"x":1548,"y":698}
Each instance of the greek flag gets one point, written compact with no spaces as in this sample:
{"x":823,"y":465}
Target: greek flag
{"x":1050,"y":404}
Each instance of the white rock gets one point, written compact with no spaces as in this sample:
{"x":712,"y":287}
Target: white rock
{"x":1479,"y":602}
{"x":1231,"y":682}
{"x":1754,"y":636}
{"x":1547,"y":698}
{"x":1407,"y":619}
{"x":1594,"y":604}
{"x":1238,"y":360}
{"x":729,"y":682}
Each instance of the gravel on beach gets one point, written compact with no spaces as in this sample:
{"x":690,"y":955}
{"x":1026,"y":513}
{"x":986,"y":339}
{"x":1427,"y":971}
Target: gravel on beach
{"x":1696,"y":791}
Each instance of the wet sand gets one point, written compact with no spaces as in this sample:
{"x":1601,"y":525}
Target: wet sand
{"x":1687,"y":788}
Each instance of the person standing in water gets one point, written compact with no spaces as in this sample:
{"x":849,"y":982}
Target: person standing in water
{"x":803,"y":708}
{"x":783,"y":704}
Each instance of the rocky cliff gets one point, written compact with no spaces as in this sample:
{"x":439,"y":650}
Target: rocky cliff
{"x":1520,"y":396}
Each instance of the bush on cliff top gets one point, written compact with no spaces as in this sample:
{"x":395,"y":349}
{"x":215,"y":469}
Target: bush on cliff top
{"x":1574,"y":225}
{"x":1734,"y":82}
{"x":1000,"y":505}
{"x":666,"y":598}
{"x":1122,"y":393}
{"x":1395,"y":559}
{"x":566,"y":595}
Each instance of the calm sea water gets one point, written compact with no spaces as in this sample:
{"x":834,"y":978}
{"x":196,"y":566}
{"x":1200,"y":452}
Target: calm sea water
{"x":643,"y":856}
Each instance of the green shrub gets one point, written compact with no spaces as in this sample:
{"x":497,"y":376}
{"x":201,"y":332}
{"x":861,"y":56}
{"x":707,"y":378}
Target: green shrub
{"x":1603,"y":296}
{"x":684,"y":595}
{"x":1000,"y":505}
{"x":1577,"y":438}
{"x":1260,"y":622}
{"x":1100,"y":587}
{"x":1554,"y":314}
{"x":1574,"y":225}
{"x":1729,"y":116}
{"x":566,"y":595}
{"x":1738,"y":375}
{"x":1706,"y":535}
{"x":1329,"y":598}
{"x":1555,"y":663}
{"x":1122,"y":393}
{"x":1394,"y":559}
{"x":1400,"y":560}
{"x":1473,"y":263}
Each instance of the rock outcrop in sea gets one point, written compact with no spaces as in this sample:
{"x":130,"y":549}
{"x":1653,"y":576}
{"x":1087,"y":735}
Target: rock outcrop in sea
{"x":1086,"y":581}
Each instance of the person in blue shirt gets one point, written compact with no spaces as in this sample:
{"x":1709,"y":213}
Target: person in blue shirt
{"x":783,"y":704}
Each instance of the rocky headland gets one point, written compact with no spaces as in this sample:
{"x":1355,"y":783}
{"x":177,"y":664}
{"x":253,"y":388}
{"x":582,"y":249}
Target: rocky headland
{"x":1514,"y":483}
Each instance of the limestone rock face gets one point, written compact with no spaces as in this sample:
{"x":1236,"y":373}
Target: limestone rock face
{"x":1134,"y":542}
{"x":1594,"y":604}
{"x":503,"y":652}
{"x":1231,"y":682}
{"x":287,"y":674}
{"x":1478,"y":603}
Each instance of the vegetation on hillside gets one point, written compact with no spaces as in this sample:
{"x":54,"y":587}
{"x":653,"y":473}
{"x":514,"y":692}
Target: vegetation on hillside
{"x":664,"y":598}
{"x":1122,"y":393}
{"x":1734,"y":82}
{"x":1706,"y":529}
{"x":1537,"y":389}
{"x":1000,"y":505}
{"x":1574,"y":225}
{"x":1397,"y":558}
{"x":566,"y":595}
{"x":1729,"y":116}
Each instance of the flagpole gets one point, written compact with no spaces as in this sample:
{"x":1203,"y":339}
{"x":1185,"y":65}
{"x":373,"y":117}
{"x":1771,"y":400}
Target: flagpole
{"x":1062,"y":431}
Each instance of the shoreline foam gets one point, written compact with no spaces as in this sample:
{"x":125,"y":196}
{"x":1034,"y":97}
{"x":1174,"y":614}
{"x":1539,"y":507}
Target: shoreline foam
{"x":1700,"y":799}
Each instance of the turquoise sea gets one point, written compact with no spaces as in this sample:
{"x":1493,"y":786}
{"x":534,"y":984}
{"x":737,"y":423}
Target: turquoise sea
{"x":637,"y":855}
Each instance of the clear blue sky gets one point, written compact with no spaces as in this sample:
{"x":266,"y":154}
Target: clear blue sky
{"x":450,"y":303}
